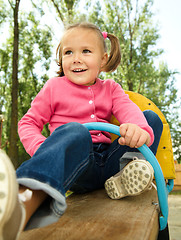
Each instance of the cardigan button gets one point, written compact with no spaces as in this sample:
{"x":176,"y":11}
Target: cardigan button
{"x":90,"y":102}
{"x":92,"y":116}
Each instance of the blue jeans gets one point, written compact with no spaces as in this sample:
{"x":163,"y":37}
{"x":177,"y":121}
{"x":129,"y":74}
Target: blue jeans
{"x":69,"y":160}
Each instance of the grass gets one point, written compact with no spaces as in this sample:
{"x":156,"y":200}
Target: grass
{"x":176,"y":192}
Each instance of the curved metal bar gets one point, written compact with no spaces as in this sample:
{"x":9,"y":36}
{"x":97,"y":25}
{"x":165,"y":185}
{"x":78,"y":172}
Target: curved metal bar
{"x":162,"y":191}
{"x":170,"y":185}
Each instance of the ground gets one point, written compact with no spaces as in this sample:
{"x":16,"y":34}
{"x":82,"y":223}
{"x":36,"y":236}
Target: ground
{"x":174,"y":219}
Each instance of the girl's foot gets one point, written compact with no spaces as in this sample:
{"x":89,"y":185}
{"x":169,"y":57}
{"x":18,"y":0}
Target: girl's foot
{"x":133,"y":179}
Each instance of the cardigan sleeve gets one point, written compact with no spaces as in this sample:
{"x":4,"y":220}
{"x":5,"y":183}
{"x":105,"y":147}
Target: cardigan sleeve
{"x":31,"y":124}
{"x":126,"y":111}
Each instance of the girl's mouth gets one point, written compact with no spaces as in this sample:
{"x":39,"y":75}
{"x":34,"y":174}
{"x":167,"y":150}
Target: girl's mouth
{"x":79,"y":70}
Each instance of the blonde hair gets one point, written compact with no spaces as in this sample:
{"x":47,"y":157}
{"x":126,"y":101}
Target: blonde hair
{"x":114,"y":57}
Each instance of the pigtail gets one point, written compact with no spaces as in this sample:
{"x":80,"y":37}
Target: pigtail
{"x":115,"y":54}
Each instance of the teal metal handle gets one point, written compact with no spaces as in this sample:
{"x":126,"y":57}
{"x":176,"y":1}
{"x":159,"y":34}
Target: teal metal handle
{"x":162,"y":189}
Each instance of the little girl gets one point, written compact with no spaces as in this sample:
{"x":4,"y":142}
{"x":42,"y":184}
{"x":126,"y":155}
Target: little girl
{"x":72,"y":158}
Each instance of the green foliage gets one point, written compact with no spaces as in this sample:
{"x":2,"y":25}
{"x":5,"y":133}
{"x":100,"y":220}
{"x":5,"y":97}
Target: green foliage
{"x":67,"y":10}
{"x":35,"y":46}
{"x":132,"y":22}
{"x":35,"y":51}
{"x":3,"y":12}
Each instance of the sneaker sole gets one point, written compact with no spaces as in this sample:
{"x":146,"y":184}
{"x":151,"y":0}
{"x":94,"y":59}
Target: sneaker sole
{"x":135,"y":178}
{"x":8,"y":189}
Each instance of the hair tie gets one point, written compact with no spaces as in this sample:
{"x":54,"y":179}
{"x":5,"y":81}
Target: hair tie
{"x":104,"y":34}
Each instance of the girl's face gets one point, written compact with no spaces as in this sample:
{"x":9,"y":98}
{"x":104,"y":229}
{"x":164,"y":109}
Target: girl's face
{"x":82,"y":56}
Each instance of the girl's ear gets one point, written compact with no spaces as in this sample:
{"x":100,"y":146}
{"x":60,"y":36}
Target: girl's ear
{"x":104,"y":61}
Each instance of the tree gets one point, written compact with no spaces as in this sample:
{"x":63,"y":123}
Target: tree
{"x":132,"y":22}
{"x":34,"y":51}
{"x":13,"y":148}
{"x":67,"y":10}
{"x":3,"y":12}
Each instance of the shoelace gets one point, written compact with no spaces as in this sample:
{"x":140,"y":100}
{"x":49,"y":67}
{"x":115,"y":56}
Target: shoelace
{"x":25,"y":196}
{"x":152,"y":185}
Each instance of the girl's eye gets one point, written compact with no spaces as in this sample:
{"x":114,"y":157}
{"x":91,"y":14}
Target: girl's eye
{"x":68,"y":52}
{"x":86,"y":51}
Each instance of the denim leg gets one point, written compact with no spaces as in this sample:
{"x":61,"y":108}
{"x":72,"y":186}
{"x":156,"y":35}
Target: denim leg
{"x":58,"y":161}
{"x":106,"y":158}
{"x":156,"y":124}
{"x":91,"y":178}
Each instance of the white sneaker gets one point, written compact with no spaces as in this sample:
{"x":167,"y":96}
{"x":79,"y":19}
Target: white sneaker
{"x":12,"y":212}
{"x":132,"y":180}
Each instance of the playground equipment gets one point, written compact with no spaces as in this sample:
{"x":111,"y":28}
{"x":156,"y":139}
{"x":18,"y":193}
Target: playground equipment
{"x":164,"y":154}
{"x":94,"y":216}
{"x":162,"y":189}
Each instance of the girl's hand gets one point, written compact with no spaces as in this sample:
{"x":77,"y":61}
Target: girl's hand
{"x":133,"y":136}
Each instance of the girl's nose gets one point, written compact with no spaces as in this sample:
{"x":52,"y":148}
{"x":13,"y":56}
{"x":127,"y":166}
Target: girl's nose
{"x":77,"y":58}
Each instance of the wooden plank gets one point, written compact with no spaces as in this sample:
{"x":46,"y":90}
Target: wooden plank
{"x":95,"y":216}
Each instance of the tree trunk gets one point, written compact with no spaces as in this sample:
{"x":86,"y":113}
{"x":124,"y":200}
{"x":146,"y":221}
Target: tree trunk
{"x":13,"y":148}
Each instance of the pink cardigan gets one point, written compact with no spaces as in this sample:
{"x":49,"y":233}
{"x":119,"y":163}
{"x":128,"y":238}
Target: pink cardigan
{"x":61,"y":101}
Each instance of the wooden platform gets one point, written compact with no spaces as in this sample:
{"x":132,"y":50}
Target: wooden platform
{"x":95,"y":216}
